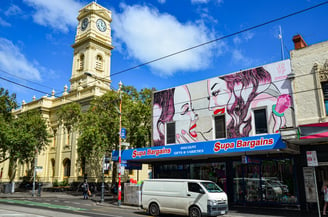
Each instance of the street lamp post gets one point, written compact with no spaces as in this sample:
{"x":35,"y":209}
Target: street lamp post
{"x":119,"y":150}
{"x":34,"y":173}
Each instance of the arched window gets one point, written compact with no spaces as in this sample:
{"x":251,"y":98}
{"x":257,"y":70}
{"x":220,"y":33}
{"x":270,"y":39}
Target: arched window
{"x":99,"y":62}
{"x":81,"y":62}
{"x":67,"y":167}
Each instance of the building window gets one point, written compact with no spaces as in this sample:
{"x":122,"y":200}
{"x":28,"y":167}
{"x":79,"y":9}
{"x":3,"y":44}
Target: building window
{"x":324,"y":87}
{"x":260,"y":121}
{"x":170,"y":133}
{"x":67,"y":167}
{"x":99,"y":62}
{"x":220,"y":126}
{"x":81,"y":62}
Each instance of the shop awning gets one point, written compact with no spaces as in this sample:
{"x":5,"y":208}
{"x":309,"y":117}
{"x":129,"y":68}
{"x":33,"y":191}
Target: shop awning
{"x":203,"y":149}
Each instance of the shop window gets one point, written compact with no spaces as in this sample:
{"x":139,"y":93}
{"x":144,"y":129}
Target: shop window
{"x":170,"y":133}
{"x":324,"y":87}
{"x":194,"y":187}
{"x":220,"y":127}
{"x":260,"y":121}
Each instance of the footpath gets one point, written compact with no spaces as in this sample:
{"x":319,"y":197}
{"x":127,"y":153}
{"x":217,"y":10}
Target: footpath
{"x":110,"y":201}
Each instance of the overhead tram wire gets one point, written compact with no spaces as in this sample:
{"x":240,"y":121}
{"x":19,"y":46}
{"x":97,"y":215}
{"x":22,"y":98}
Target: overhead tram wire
{"x":202,"y":44}
{"x":223,"y":37}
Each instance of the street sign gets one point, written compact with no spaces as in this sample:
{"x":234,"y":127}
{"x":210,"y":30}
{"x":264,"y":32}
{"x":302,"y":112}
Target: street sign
{"x":123,"y":133}
{"x":125,"y":144}
{"x":38,"y":168}
{"x":311,"y":157}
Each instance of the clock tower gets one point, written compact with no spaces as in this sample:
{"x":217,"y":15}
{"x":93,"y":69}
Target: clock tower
{"x":92,"y":49}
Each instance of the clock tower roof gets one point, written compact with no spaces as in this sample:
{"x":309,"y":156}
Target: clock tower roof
{"x":94,"y":8}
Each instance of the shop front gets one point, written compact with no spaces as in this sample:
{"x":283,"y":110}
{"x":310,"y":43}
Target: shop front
{"x":258,"y":170}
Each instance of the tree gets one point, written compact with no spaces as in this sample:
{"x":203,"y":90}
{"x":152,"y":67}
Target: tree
{"x":7,"y":103}
{"x":99,"y":127}
{"x":69,"y":115}
{"x":27,"y":136}
{"x":99,"y":130}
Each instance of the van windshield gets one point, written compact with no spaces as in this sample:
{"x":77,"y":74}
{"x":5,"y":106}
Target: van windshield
{"x":212,"y":187}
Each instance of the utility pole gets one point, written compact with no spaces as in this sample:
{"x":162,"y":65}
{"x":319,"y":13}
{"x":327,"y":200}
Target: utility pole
{"x":34,"y":172}
{"x":102,"y":184}
{"x":119,"y":150}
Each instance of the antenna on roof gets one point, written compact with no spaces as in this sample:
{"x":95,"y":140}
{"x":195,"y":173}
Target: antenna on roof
{"x":282,"y":44}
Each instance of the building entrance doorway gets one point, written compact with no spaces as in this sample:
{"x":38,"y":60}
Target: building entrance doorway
{"x":322,"y":178}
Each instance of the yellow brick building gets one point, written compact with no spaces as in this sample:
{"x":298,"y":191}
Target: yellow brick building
{"x":90,"y":78}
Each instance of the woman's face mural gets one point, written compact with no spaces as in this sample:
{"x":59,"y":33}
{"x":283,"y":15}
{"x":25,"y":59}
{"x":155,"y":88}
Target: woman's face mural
{"x":184,"y":116}
{"x":218,"y":95}
{"x":234,"y":95}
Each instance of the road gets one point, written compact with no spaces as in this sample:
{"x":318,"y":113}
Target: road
{"x":75,"y":206}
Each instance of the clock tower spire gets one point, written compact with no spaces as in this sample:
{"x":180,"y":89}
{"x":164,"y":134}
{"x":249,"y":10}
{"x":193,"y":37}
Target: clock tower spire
{"x":92,"y":48}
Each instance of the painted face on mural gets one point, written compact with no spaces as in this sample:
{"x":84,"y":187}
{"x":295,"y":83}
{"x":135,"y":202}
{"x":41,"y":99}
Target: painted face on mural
{"x":218,"y":95}
{"x":185,"y":118}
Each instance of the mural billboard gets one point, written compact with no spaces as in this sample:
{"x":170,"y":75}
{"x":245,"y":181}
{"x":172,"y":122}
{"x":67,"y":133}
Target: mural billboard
{"x":192,"y":106}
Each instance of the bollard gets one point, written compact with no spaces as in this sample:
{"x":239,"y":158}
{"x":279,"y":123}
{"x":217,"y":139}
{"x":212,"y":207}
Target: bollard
{"x":39,"y":190}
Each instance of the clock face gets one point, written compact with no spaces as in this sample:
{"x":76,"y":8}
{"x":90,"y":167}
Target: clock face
{"x":84,"y":24}
{"x":101,"y":25}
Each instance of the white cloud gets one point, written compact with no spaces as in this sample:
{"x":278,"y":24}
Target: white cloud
{"x":205,"y":1}
{"x":148,"y":35}
{"x":199,"y":1}
{"x":14,"y":62}
{"x":60,"y":15}
{"x":244,"y":37}
{"x":162,"y":1}
{"x":4,"y":23}
{"x":239,"y":58}
{"x":13,"y":10}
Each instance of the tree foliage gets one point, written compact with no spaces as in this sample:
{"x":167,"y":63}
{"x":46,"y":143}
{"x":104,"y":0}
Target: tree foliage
{"x":21,"y":136}
{"x":99,"y":127}
{"x":69,"y":115}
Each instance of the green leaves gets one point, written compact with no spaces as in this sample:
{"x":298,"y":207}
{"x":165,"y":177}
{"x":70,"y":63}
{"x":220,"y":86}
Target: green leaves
{"x":99,"y":126}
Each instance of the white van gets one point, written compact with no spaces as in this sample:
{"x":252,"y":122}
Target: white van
{"x":187,"y":197}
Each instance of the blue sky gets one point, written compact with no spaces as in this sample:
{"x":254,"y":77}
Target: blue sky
{"x":36,"y":38}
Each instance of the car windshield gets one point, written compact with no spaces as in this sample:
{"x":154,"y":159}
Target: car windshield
{"x":211,"y":187}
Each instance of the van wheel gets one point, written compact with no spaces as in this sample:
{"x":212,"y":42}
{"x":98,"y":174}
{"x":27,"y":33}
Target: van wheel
{"x":154,"y":209}
{"x":195,"y":212}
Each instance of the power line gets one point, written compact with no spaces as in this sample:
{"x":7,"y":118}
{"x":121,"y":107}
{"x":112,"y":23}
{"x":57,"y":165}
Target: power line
{"x":200,"y":45}
{"x":223,"y":37}
{"x":23,"y":85}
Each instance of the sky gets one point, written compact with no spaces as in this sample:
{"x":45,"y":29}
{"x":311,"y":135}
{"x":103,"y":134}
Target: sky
{"x":36,"y":38}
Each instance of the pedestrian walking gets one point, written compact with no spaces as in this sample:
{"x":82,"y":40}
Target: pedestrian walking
{"x":325,"y":197}
{"x":85,"y":189}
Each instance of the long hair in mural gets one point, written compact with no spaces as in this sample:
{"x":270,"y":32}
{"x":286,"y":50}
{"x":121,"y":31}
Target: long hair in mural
{"x":234,"y":95}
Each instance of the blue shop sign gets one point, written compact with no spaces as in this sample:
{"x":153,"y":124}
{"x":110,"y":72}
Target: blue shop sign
{"x":215,"y":147}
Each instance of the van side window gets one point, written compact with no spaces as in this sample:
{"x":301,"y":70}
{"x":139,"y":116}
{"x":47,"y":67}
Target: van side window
{"x":194,"y":187}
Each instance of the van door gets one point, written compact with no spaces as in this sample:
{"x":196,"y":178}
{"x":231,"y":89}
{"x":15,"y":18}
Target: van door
{"x":195,"y":195}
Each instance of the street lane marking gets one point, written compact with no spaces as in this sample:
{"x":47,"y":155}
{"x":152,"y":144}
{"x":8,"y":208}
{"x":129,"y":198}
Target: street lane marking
{"x":47,"y":205}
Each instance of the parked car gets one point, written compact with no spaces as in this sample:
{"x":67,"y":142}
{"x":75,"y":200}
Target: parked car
{"x":189,"y":197}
